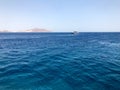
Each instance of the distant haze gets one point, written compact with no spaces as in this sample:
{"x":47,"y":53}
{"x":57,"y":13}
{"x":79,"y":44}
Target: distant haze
{"x":60,"y":15}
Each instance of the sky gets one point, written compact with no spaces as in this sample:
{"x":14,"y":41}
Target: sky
{"x":60,"y":15}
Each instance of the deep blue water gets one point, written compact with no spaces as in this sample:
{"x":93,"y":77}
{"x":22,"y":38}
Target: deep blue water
{"x":59,"y":61}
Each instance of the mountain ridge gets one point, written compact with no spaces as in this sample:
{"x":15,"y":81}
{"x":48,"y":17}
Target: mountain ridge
{"x":28,"y":30}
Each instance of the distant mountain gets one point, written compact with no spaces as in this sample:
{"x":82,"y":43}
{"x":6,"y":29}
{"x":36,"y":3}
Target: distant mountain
{"x":37,"y":30}
{"x":4,"y":31}
{"x":29,"y":30}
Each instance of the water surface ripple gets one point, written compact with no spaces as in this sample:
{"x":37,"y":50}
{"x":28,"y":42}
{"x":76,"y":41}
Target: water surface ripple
{"x":59,"y":61}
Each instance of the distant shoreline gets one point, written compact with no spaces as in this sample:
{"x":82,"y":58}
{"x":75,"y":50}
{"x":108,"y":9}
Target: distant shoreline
{"x":59,"y":32}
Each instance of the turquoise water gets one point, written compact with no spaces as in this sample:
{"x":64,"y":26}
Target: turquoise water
{"x":59,"y":61}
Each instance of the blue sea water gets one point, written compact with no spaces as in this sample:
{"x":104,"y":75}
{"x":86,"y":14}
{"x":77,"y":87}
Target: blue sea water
{"x":59,"y":61}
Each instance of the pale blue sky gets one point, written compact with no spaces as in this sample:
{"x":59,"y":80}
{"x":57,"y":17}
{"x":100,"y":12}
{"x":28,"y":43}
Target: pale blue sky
{"x":60,"y":15}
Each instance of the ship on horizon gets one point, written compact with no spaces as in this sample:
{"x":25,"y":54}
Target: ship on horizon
{"x":75,"y":32}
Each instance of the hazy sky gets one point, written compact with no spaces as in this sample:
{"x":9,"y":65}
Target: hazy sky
{"x":60,"y":15}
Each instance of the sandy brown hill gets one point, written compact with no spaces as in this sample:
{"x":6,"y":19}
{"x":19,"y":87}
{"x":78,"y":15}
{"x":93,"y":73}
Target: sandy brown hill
{"x":37,"y":30}
{"x":4,"y":31}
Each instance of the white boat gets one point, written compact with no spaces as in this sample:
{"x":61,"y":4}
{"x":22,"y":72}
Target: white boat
{"x":75,"y":32}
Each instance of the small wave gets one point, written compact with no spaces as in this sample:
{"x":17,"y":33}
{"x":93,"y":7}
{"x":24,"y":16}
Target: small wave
{"x":109,"y":44}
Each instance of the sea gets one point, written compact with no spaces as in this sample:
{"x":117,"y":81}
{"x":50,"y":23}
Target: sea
{"x":60,"y":61}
